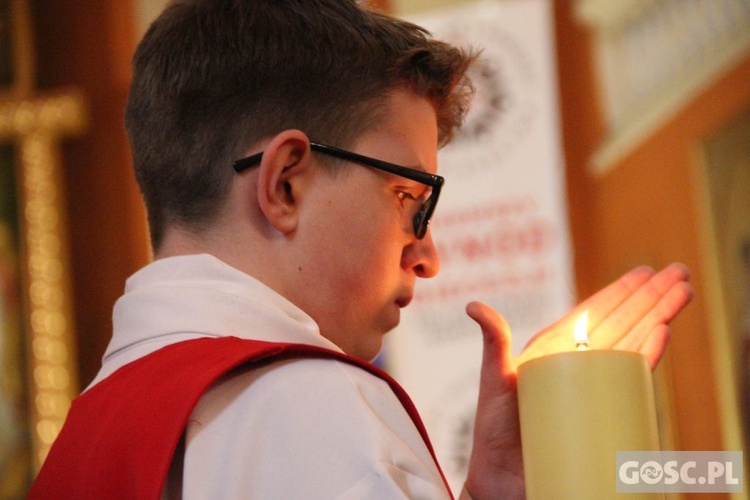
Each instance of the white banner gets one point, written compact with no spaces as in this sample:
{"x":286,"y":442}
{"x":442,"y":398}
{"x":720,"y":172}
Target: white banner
{"x":501,"y":224}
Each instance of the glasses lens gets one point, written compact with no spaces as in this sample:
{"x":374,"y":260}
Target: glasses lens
{"x":421,"y":220}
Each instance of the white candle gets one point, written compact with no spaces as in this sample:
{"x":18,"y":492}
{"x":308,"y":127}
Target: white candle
{"x":577,"y":409}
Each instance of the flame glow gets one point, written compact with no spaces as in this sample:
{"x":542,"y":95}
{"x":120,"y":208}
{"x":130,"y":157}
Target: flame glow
{"x":580,"y":333}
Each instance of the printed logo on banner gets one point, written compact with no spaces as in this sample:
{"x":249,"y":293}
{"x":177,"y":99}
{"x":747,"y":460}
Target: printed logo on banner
{"x":504,"y":108}
{"x":490,"y":101}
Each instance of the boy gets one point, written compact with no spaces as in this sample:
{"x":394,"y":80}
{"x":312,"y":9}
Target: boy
{"x":287,"y":154}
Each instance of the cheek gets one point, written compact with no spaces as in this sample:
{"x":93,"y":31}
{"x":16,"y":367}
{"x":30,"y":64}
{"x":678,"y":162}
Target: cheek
{"x":365,"y":256}
{"x":356,"y":238}
{"x":368,"y":255}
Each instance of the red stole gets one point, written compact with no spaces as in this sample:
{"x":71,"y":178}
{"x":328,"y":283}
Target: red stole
{"x":120,"y":436}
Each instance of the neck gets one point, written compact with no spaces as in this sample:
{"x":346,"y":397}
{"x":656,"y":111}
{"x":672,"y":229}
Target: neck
{"x":248,"y":253}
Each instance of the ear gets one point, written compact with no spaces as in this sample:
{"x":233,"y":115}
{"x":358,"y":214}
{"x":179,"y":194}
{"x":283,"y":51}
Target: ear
{"x":284,"y":169}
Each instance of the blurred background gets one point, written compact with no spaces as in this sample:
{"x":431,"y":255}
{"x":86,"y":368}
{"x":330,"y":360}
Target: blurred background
{"x":654,"y":118}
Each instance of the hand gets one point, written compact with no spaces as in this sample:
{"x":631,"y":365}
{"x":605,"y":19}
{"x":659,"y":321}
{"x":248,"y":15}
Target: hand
{"x":633,"y":313}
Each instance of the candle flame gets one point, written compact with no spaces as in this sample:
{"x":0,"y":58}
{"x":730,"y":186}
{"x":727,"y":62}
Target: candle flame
{"x":580,"y":333}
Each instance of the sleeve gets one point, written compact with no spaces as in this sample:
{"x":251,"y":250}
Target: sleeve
{"x":308,"y":429}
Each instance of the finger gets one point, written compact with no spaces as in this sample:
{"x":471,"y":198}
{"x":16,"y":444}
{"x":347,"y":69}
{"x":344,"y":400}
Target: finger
{"x":497,"y":358}
{"x":601,"y":304}
{"x":655,"y":344}
{"x":626,"y":315}
{"x":496,"y":450}
{"x":662,"y":313}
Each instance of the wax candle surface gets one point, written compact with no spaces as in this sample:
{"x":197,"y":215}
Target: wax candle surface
{"x":577,"y":409}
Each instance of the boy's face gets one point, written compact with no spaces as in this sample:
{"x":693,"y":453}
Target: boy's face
{"x":362,"y":257}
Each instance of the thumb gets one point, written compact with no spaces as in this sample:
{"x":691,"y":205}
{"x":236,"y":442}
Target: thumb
{"x":498,"y":367}
{"x":496,"y":451}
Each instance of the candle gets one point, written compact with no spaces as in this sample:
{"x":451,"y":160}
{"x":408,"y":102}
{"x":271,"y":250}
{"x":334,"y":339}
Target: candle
{"x":577,"y":409}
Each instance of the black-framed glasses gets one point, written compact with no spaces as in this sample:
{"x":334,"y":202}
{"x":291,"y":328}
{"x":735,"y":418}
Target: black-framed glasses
{"x":423,"y":215}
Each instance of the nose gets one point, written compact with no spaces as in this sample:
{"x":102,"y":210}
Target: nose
{"x":422,"y":256}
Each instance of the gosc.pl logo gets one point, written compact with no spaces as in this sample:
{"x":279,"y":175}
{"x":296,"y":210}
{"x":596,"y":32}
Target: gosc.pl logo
{"x":679,"y":471}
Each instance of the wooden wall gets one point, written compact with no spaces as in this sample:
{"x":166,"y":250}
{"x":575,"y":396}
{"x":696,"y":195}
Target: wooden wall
{"x":89,"y":44}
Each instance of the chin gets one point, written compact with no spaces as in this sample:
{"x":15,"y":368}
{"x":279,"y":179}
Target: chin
{"x":367,"y":352}
{"x":369,"y":346}
{"x":370,"y":342}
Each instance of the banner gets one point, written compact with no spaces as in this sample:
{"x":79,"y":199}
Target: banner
{"x":501,"y":225}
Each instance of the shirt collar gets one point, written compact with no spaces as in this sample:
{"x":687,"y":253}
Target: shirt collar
{"x":199,"y":295}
